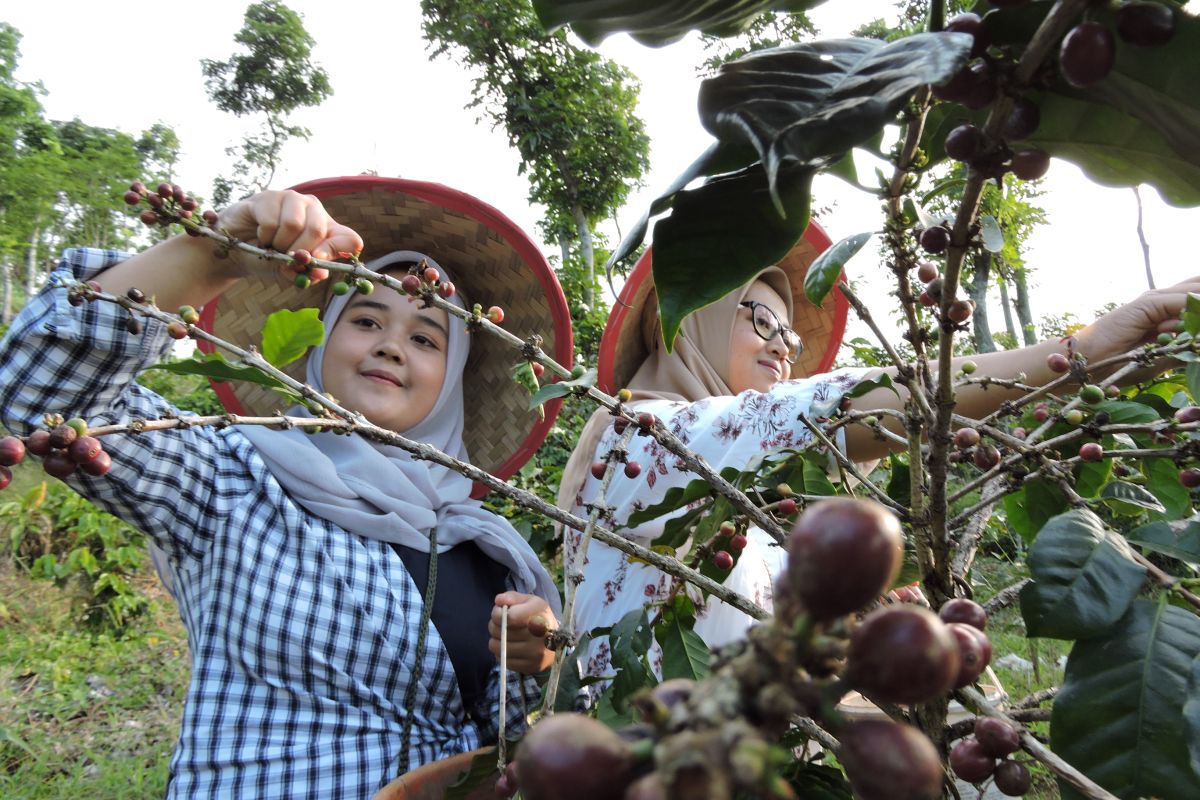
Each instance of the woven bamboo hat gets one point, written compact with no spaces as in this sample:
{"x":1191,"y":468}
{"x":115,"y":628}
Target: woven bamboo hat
{"x":623,"y":348}
{"x":492,"y":262}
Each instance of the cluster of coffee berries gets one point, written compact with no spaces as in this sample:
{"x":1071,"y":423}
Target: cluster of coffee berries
{"x":1089,"y":50}
{"x":632,"y":469}
{"x":168,"y":204}
{"x":424,"y":278}
{"x":970,"y":445}
{"x":63,"y":449}
{"x":985,"y":755}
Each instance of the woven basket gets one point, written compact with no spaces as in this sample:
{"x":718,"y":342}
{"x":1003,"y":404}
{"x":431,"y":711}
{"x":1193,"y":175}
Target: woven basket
{"x":492,"y":263}
{"x":623,"y":346}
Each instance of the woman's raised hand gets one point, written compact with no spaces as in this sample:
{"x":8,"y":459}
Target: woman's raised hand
{"x":529,"y":620}
{"x":1136,"y":323}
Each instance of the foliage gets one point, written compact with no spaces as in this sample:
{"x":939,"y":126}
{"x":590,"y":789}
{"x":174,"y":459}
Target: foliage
{"x":273,"y":77}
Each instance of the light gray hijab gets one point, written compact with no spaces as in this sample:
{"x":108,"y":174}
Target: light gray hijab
{"x":381,"y":492}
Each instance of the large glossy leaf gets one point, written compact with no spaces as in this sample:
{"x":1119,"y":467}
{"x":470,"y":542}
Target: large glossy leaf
{"x":214,"y":367}
{"x":684,"y":653}
{"x":1179,"y":540}
{"x":657,"y":22}
{"x":1119,"y":716}
{"x":1029,"y":509}
{"x":288,"y":334}
{"x":1084,"y":578}
{"x":824,"y":272}
{"x":1191,"y":715}
{"x":1163,"y":482}
{"x":807,"y":104}
{"x":1129,"y":498}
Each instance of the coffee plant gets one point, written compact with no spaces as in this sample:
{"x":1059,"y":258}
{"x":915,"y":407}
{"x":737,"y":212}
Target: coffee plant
{"x":1094,"y":469}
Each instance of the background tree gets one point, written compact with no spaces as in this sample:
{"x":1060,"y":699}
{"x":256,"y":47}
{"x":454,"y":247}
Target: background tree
{"x":272,"y":77}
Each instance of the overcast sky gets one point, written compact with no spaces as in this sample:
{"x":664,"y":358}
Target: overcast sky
{"x":396,"y":112}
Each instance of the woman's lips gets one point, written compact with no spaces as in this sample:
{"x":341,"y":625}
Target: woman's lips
{"x":382,"y":377}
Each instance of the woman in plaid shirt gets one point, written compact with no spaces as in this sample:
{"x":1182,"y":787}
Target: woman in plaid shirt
{"x":300,"y":562}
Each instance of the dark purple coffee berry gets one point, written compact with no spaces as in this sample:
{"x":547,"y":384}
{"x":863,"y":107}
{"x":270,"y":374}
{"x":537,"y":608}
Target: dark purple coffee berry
{"x":972,"y":25}
{"x":842,"y":554}
{"x":1146,"y":24}
{"x":935,"y":239}
{"x":1087,"y":54}
{"x":885,"y":760}
{"x":12,"y":451}
{"x":148,"y":217}
{"x":620,"y":424}
{"x":973,"y":656}
{"x":98,"y":466}
{"x":1190,"y":477}
{"x":84,"y":449}
{"x":996,"y":737}
{"x":956,"y":88}
{"x":38,"y":443}
{"x":177,"y":193}
{"x":981,"y":86}
{"x":133,"y":325}
{"x":970,"y":763}
{"x":1030,"y":164}
{"x":411,"y":284}
{"x":210,"y":217}
{"x":986,"y":457}
{"x":960,"y":609}
{"x":62,"y":436}
{"x":136,"y":295}
{"x":137,"y":186}
{"x":902,"y":654}
{"x":964,"y":143}
{"x":1188,"y":414}
{"x":1023,"y":121}
{"x":189,"y":204}
{"x":165,"y":191}
{"x":1012,"y":779}
{"x":58,"y":464}
{"x":632,"y":469}
{"x":573,"y":755}
{"x":133,"y":198}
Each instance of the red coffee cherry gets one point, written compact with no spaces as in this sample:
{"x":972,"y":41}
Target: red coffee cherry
{"x":411,"y":284}
{"x":445,"y":290}
{"x":1091,"y":451}
{"x":646,"y":421}
{"x":1041,"y":412}
{"x":960,"y":311}
{"x":148,"y":217}
{"x":85,"y":448}
{"x":133,"y":198}
{"x":210,"y":217}
{"x":495,"y":315}
{"x":902,"y":654}
{"x":842,"y":554}
{"x":431,"y":275}
{"x":973,"y":656}
{"x":5,"y":477}
{"x":1057,"y":362}
{"x":598,"y":470}
{"x":12,"y":451}
{"x":177,"y":330}
{"x":970,"y":763}
{"x":620,"y":424}
{"x":98,"y":466}
{"x":165,"y":191}
{"x":986,"y":457}
{"x":722,"y":560}
{"x":137,"y":186}
{"x":968,"y":612}
{"x":996,"y":737}
{"x":888,"y":761}
{"x":786,"y":507}
{"x":38,"y":443}
{"x":1087,"y":54}
{"x":738,"y":542}
{"x":926,"y":271}
{"x":1190,"y":477}
{"x":538,"y":368}
{"x":302,"y":258}
{"x":1012,"y":779}
{"x":632,"y":469}
{"x":966,"y":438}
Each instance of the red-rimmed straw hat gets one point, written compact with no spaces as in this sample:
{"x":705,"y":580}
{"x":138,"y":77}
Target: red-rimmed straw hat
{"x":492,"y":262}
{"x":821,"y":328}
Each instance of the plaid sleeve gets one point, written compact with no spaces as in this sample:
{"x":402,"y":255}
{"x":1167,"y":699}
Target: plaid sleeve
{"x":81,"y":362}
{"x":524,"y":697}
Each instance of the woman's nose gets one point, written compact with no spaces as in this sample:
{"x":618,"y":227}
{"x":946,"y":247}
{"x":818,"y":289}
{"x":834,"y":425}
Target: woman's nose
{"x":776,"y":346}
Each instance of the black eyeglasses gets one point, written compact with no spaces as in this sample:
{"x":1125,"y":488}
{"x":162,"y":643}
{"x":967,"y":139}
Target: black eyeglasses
{"x":768,"y":326}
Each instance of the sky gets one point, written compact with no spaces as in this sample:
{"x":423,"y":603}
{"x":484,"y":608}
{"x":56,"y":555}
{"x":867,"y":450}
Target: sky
{"x":398,"y":113}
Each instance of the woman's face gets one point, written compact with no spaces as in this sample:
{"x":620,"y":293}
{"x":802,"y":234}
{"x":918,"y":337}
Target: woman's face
{"x":386,"y":358}
{"x":754,"y":362}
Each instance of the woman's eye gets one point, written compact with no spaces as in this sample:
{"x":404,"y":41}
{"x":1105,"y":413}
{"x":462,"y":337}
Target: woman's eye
{"x":365,"y":322}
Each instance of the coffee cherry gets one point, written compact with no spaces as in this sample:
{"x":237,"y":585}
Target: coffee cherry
{"x":165,"y":191}
{"x":189,"y":315}
{"x":960,"y":311}
{"x":177,"y":330}
{"x":58,"y":464}
{"x":411,"y":284}
{"x":137,"y":186}
{"x":210,"y":217}
{"x":431,"y":275}
{"x":1091,"y":451}
{"x":1091,"y":394}
{"x":302,"y":281}
{"x":972,"y":25}
{"x":935,"y":240}
{"x":1057,"y":362}
{"x":926,"y":271}
{"x":12,"y":451}
{"x":996,"y":737}
{"x":1145,"y":24}
{"x":981,"y":86}
{"x":572,"y":756}
{"x":960,"y":609}
{"x":966,"y":438}
{"x":495,"y":315}
{"x":786,"y":507}
{"x":177,"y":193}
{"x":1023,"y":121}
{"x":133,"y":325}
{"x":956,"y":88}
{"x":902,"y":654}
{"x":1073,"y":417}
{"x":1190,"y":477}
{"x":1188,"y":414}
{"x":965,"y":142}
{"x":302,"y":258}
{"x":5,"y":477}
{"x":155,"y":202}
{"x":645,"y":420}
{"x":970,"y":763}
{"x":364,"y":286}
{"x":722,"y":560}
{"x":99,"y":466}
{"x":632,"y":469}
{"x":133,"y":198}
{"x":968,"y":367}
{"x":61,"y":436}
{"x":38,"y":443}
{"x":188,"y":204}
{"x":84,"y":449}
{"x":340,"y":288}
{"x":927,"y":299}
{"x":971,"y":660}
{"x":842,"y":554}
{"x":1012,"y":779}
{"x":738,"y":542}
{"x":445,"y":290}
{"x":1087,"y":54}
{"x":148,"y":217}
{"x":985,"y":457}
{"x":1030,"y":164}
{"x":538,"y":368}
{"x":885,"y":760}
{"x":1041,"y":412}
{"x":620,"y":424}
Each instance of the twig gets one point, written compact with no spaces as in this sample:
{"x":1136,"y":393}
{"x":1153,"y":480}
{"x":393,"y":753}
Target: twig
{"x":850,"y":467}
{"x":1163,"y":579}
{"x":964,"y":553}
{"x":502,"y":745}
{"x":1005,"y":597}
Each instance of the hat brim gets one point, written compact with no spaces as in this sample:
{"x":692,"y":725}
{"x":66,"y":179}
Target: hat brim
{"x":821,"y":328}
{"x":493,"y":263}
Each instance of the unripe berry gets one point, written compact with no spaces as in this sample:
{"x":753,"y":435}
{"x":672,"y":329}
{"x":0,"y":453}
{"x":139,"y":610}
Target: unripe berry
{"x":177,"y":330}
{"x":722,"y":560}
{"x":364,"y":286}
{"x":968,"y":367}
{"x":935,"y":240}
{"x":38,"y":442}
{"x":1073,"y":417}
{"x":787,"y":506}
{"x":431,"y":275}
{"x":624,"y":395}
{"x":189,"y":315}
{"x":598,"y":470}
{"x":12,"y":451}
{"x":1091,"y":394}
{"x":996,"y":737}
{"x":495,"y":315}
{"x":927,"y":271}
{"x":302,"y":281}
{"x":1087,"y":54}
{"x":1012,"y":779}
{"x":970,"y":763}
{"x":1057,"y":362}
{"x":968,"y":612}
{"x":966,"y":438}
{"x":340,"y":288}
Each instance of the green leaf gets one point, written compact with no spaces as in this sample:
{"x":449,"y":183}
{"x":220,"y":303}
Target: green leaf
{"x":1191,"y":317}
{"x":629,"y":641}
{"x":1192,"y":372}
{"x":215,"y":367}
{"x":570,"y":680}
{"x":685,"y":655}
{"x":824,"y":272}
{"x":1084,"y":578}
{"x":1179,"y":540}
{"x":657,"y":22}
{"x":862,"y":387}
{"x":1163,"y":482}
{"x":899,"y":486}
{"x":1091,"y":476}
{"x":1119,"y":716}
{"x":807,"y":104}
{"x":1191,"y":714}
{"x":993,"y":237}
{"x":552,"y":391}
{"x":483,"y":769}
{"x":674,"y":499}
{"x":288,"y":334}
{"x":816,"y":479}
{"x":1029,"y":509}
{"x":1129,"y":498}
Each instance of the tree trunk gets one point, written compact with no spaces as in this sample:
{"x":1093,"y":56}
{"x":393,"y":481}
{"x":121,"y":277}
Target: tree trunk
{"x":585,"y":247}
{"x":1028,"y":332}
{"x":1007,"y":306}
{"x":978,"y":292}
{"x":31,"y":262}
{"x":6,"y":292}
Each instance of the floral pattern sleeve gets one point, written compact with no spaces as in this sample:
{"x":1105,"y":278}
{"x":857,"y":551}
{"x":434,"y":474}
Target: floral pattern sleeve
{"x":726,"y":431}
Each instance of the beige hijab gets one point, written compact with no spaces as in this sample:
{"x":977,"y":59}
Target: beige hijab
{"x":698,"y":368}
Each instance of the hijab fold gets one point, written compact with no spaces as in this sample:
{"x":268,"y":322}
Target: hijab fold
{"x":381,"y":492}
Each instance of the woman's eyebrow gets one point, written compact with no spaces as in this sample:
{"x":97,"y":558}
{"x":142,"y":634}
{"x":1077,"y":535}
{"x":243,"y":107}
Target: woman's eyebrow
{"x":433,"y":323}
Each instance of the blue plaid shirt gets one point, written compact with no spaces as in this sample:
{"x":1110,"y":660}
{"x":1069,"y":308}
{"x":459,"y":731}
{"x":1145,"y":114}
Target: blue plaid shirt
{"x":302,"y":636}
